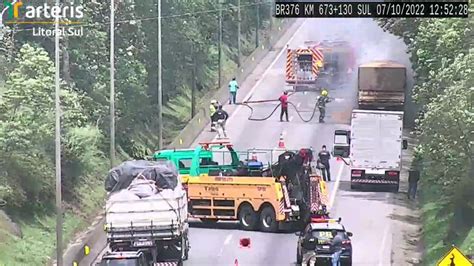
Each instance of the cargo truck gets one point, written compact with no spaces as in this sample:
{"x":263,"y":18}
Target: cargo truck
{"x":375,"y":152}
{"x":381,"y":86}
{"x":147,"y":222}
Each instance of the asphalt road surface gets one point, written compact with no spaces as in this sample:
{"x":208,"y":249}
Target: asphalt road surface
{"x":365,"y":214}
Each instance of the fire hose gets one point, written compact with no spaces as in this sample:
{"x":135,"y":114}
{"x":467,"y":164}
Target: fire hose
{"x":247,"y":104}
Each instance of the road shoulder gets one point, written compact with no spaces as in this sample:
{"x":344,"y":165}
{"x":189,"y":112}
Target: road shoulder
{"x":407,"y":247}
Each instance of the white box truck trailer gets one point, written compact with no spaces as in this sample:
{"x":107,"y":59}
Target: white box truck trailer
{"x":376,"y":145}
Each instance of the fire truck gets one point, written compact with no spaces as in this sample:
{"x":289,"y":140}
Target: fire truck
{"x":318,"y":65}
{"x":265,"y":198}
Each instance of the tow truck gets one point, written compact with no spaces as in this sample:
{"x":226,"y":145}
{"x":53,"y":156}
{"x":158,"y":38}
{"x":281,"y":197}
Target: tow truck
{"x":260,"y":198}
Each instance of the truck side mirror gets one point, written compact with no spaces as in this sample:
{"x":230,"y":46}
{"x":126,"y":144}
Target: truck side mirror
{"x":404,"y":144}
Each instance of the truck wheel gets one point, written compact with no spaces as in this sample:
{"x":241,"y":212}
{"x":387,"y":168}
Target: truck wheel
{"x":247,"y":217}
{"x":268,"y":222}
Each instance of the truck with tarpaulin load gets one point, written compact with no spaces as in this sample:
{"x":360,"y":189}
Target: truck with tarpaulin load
{"x":262,"y":197}
{"x":146,"y":214}
{"x":381,"y":86}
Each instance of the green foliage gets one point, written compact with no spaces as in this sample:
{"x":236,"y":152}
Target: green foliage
{"x":27,"y":115}
{"x":27,"y":132}
{"x":443,"y":60}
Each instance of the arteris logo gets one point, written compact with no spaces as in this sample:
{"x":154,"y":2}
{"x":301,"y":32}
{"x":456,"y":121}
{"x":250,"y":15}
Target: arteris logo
{"x":22,"y":13}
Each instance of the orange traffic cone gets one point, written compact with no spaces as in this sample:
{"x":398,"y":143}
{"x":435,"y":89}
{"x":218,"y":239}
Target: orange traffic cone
{"x":281,"y":142}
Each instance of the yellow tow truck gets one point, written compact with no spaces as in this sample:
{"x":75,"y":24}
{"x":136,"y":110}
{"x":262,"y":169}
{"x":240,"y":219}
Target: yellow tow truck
{"x":262,"y":197}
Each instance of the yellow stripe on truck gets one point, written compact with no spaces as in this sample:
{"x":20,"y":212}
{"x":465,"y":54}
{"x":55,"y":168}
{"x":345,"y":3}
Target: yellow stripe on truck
{"x":279,"y":191}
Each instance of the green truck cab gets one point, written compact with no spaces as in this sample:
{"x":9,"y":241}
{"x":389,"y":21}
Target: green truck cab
{"x":200,"y":161}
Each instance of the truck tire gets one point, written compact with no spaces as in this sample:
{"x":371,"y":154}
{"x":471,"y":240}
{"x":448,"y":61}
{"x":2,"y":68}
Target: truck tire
{"x":247,"y":217}
{"x":268,"y":222}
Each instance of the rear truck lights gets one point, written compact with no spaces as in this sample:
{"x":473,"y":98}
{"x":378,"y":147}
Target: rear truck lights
{"x":392,"y":173}
{"x":356,"y":173}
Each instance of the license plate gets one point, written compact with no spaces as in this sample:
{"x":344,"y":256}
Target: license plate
{"x":143,"y":243}
{"x":326,"y":247}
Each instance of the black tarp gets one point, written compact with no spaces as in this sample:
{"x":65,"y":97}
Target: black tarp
{"x":164,"y":173}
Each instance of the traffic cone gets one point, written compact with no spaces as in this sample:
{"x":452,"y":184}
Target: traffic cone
{"x":281,"y":142}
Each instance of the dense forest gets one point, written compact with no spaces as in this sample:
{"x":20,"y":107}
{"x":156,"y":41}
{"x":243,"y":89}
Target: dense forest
{"x":442,"y":54}
{"x":190,"y":34}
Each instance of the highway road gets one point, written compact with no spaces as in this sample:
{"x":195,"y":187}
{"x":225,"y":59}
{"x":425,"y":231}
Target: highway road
{"x":366,"y":214}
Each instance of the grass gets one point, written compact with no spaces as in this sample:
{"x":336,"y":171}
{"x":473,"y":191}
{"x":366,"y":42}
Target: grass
{"x":436,"y":226}
{"x":38,"y":243}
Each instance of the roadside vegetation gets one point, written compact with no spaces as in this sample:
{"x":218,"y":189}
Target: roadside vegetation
{"x":27,"y":173}
{"x":442,"y":54}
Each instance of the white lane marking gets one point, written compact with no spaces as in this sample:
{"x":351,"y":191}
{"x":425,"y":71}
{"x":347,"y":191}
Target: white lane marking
{"x":382,"y":247}
{"x":336,"y":187}
{"x":226,"y":242}
{"x":227,"y":239}
{"x":298,"y":105}
{"x":262,"y":77}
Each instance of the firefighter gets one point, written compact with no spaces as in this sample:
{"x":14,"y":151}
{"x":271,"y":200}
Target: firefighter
{"x":324,"y":157}
{"x":322,"y":100}
{"x":284,"y":106}
{"x":221,"y":116}
{"x":212,"y":110}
